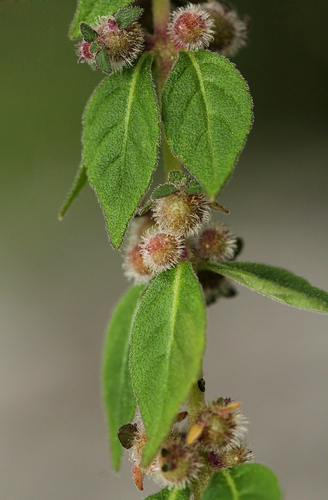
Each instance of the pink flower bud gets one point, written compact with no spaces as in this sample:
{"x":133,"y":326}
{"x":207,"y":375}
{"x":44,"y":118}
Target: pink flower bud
{"x":83,"y":52}
{"x":160,"y":250}
{"x":191,"y":28}
{"x":123,"y":45}
{"x":230,"y":32}
{"x":216,"y":243}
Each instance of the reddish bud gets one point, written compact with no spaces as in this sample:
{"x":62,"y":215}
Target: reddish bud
{"x":191,"y":28}
{"x":230,"y":32}
{"x":216,"y":243}
{"x":83,"y":52}
{"x":123,"y":45}
{"x":161,"y":250}
{"x":134,"y":264}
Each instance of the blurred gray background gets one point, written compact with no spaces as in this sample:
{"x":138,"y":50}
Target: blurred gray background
{"x":60,"y":281}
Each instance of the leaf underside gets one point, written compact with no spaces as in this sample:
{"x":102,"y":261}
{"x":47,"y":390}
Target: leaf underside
{"x":80,"y":181}
{"x":276,"y":283}
{"x":244,"y":482}
{"x":88,"y":10}
{"x":168,"y":342}
{"x":119,"y":399}
{"x":120,"y":143}
{"x":207,"y":86}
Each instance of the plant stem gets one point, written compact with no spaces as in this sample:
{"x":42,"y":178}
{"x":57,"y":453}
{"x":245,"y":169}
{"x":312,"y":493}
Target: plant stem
{"x":196,"y":401}
{"x":164,"y":54}
{"x":161,"y":17}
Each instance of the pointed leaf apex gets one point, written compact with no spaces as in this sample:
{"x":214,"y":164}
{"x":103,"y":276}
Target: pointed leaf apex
{"x":89,"y":34}
{"x":126,"y":16}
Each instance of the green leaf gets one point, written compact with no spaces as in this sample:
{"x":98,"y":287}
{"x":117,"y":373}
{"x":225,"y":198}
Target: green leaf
{"x":102,"y":60}
{"x":121,"y":137}
{"x":177,"y":177}
{"x":244,"y":482}
{"x":274,"y":282}
{"x":88,"y":33}
{"x":207,"y":86}
{"x":119,"y":399}
{"x":168,"y":342}
{"x":171,"y":494}
{"x":88,"y":10}
{"x":127,"y":16}
{"x":164,"y":190}
{"x":194,"y":187}
{"x":79,"y":182}
{"x":94,"y":47}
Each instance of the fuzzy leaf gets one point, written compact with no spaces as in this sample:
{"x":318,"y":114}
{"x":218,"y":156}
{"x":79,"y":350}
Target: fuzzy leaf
{"x":88,"y":33}
{"x":178,"y":177}
{"x":207,"y":86}
{"x":164,"y":190}
{"x":102,"y":60}
{"x":194,"y":187}
{"x":244,"y":482}
{"x":171,"y":494}
{"x":88,"y":10}
{"x":79,"y":182}
{"x":167,"y":346}
{"x":121,"y":137}
{"x":94,"y":47}
{"x":119,"y":399}
{"x":127,"y":16}
{"x":276,"y":283}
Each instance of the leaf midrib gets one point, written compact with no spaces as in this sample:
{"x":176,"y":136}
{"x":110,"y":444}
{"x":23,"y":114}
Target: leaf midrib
{"x":202,"y":89}
{"x":231,"y":484}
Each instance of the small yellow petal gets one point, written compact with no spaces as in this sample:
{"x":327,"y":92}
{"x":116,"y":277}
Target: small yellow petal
{"x":194,"y":433}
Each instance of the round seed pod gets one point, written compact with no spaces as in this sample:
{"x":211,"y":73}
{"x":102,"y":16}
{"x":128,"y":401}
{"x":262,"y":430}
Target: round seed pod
{"x":191,"y":28}
{"x":161,"y":251}
{"x":181,"y":213}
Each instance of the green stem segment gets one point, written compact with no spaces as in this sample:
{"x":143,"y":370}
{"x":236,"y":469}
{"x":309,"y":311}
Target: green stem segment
{"x":161,"y":17}
{"x":164,"y":54}
{"x":196,"y":402}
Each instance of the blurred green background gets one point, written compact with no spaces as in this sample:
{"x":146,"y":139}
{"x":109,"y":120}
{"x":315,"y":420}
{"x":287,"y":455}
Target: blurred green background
{"x":60,"y":281}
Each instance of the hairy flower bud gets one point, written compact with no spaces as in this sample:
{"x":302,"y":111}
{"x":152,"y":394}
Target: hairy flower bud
{"x":181,"y":213}
{"x":83,"y":52}
{"x":216,"y":243}
{"x":178,"y":463}
{"x":134,"y":265}
{"x":230,"y":32}
{"x":191,"y":28}
{"x":219,"y":427}
{"x":123,"y":45}
{"x":161,"y":250}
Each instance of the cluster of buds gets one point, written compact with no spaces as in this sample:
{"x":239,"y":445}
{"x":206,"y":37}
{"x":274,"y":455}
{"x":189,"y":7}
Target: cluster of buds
{"x":113,"y":42}
{"x":215,"y":441}
{"x":176,"y":211}
{"x":213,"y":25}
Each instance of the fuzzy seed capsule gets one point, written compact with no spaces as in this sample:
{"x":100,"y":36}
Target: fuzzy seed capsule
{"x":216,"y":243}
{"x":123,"y":45}
{"x":181,"y":213}
{"x":135,"y":266}
{"x":161,"y":251}
{"x":191,"y":28}
{"x":230,"y":32}
{"x":178,"y":463}
{"x":219,"y":427}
